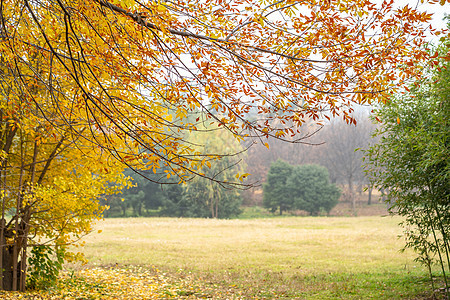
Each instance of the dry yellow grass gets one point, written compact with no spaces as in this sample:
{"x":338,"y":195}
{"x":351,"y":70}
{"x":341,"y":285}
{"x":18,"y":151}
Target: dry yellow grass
{"x":306,"y":244}
{"x":275,"y":256}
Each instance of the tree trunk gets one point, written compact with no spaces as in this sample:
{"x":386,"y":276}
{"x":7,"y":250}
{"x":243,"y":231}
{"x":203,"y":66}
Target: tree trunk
{"x":123,"y":206}
{"x":351,"y":196}
{"x":217,"y":208}
{"x":382,"y":195}
{"x":369,"y":200}
{"x":7,"y":261}
{"x":139,"y":209}
{"x":211,"y":207}
{"x":14,"y":256}
{"x":6,"y":143}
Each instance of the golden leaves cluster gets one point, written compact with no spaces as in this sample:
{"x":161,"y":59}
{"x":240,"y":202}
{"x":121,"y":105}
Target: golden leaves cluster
{"x":129,"y":283}
{"x":133,"y":73}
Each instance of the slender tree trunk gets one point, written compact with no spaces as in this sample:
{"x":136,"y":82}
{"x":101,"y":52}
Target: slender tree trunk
{"x":382,"y":195}
{"x":217,"y":209}
{"x":23,"y":274}
{"x":139,"y":209}
{"x":7,"y":139}
{"x":369,"y":199}
{"x":124,"y":209}
{"x":441,"y":261}
{"x":17,"y":235}
{"x":211,"y":207}
{"x":351,"y":195}
{"x":2,"y":245}
{"x":217,"y":200}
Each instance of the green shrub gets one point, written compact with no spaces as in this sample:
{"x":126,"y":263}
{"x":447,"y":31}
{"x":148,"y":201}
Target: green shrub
{"x":303,"y":187}
{"x":45,"y":264}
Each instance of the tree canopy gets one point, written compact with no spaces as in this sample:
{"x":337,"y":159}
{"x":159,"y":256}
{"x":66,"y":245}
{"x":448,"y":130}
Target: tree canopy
{"x":310,"y":188}
{"x":112,"y":69}
{"x":300,"y":187}
{"x":275,"y":195}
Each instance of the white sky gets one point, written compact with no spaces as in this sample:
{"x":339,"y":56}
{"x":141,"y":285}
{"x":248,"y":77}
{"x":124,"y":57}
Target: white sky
{"x":439,"y":11}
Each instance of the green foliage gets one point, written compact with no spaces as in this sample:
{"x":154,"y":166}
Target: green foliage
{"x":275,"y":194}
{"x":45,"y":264}
{"x":173,"y":203}
{"x":311,"y":190}
{"x":145,"y":194}
{"x":303,"y":187}
{"x":206,"y":199}
{"x":151,"y":195}
{"x":412,"y":162}
{"x":205,"y":196}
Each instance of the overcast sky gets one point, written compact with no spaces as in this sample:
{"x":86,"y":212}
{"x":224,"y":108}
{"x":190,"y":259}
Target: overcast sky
{"x":439,"y":11}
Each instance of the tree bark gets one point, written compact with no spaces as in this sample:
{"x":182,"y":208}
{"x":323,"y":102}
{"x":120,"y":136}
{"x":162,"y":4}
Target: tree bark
{"x":351,"y":195}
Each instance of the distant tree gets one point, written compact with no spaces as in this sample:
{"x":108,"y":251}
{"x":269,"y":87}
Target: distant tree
{"x":260,"y":157}
{"x":154,"y":192}
{"x":146,"y":193}
{"x":275,"y":196}
{"x":202,"y":197}
{"x":340,"y":154}
{"x":142,"y":196}
{"x":206,"y":199}
{"x":309,"y":187}
{"x":304,"y":187}
{"x":207,"y":196}
{"x":173,"y":204}
{"x":115,"y":206}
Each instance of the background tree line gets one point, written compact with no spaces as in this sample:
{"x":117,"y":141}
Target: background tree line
{"x":333,"y":146}
{"x":159,"y":194}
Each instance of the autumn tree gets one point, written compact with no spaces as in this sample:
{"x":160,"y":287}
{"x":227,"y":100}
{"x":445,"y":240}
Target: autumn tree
{"x":115,"y":82}
{"x":49,"y":186}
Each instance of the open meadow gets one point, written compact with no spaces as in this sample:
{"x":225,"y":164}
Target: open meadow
{"x":289,"y":258}
{"x":266,"y":258}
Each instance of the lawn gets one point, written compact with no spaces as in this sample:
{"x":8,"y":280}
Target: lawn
{"x":291,"y":257}
{"x":270,"y":258}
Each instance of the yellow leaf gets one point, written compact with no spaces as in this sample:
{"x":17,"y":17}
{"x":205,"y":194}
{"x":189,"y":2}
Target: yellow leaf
{"x":161,"y":8}
{"x":261,"y":21}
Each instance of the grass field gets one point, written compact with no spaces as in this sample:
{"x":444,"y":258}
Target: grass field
{"x":289,"y":258}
